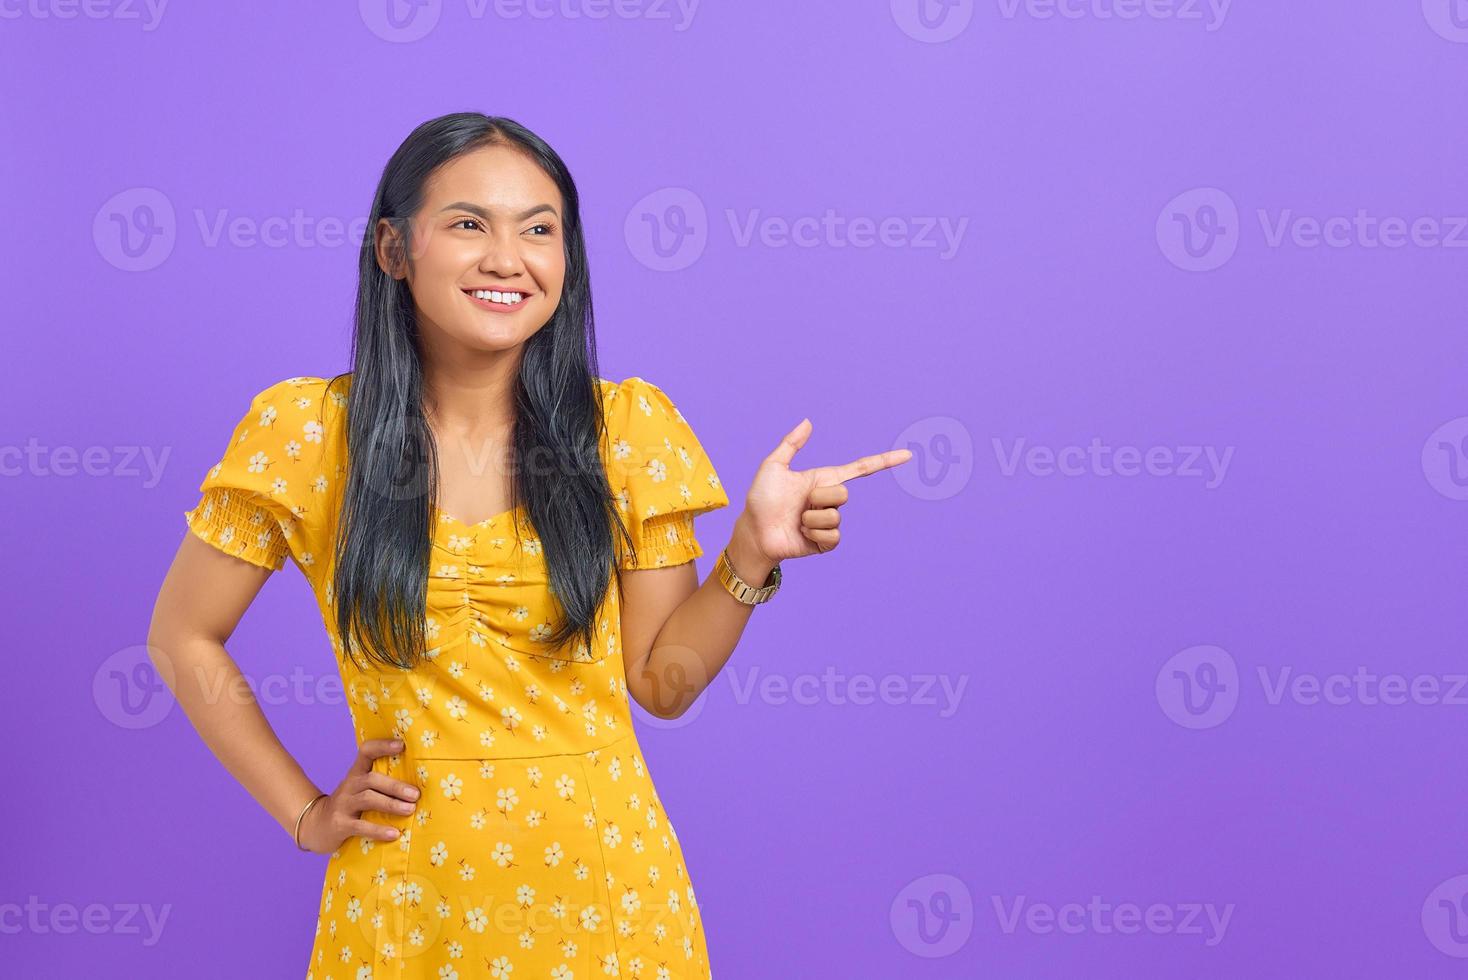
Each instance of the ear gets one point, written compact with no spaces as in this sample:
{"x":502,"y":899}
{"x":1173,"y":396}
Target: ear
{"x":388,"y":247}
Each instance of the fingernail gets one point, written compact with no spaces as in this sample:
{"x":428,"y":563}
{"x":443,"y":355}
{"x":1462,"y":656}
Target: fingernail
{"x":412,"y":794}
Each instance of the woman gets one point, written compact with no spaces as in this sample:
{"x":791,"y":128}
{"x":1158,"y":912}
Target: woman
{"x":493,"y":622}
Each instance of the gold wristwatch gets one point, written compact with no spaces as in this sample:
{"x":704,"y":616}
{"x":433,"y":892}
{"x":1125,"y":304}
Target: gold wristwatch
{"x":742,"y":590}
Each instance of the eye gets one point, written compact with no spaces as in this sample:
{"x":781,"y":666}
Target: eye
{"x":549,"y":228}
{"x":462,"y":221}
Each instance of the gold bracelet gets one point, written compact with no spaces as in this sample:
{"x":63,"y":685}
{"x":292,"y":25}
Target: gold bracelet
{"x":304,"y":811}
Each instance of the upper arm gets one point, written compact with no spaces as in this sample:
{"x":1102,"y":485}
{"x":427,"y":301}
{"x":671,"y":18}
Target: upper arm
{"x":649,"y":597}
{"x":663,"y":478}
{"x":240,"y":528}
{"x":205,"y":593}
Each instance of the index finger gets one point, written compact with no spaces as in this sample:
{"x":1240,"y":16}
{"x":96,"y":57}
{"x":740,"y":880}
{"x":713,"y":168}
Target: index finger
{"x":374,"y":748}
{"x":865,"y":466}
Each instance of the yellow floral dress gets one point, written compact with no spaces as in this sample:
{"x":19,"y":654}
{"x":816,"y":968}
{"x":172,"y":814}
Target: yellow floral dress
{"x":539,"y":847}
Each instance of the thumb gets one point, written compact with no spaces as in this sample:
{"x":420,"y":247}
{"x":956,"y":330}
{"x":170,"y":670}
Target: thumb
{"x":793,"y":440}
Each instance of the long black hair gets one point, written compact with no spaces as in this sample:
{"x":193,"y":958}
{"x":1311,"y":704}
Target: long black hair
{"x":389,"y":504}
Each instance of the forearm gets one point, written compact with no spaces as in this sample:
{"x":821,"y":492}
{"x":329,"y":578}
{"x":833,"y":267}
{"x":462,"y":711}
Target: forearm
{"x":223,"y":710}
{"x":701,"y":634}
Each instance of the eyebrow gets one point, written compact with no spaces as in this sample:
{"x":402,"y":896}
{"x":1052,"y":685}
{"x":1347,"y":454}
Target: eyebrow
{"x":475,"y":209}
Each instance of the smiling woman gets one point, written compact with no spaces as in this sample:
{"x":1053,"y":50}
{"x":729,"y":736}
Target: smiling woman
{"x":501,"y":545}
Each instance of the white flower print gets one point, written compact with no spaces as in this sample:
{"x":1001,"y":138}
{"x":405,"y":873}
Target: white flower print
{"x":534,"y":794}
{"x":506,"y":800}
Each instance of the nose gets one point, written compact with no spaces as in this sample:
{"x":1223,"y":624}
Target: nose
{"x":501,"y":256}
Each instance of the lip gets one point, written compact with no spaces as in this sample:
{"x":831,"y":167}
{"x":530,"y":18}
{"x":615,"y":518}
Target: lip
{"x":490,"y":307}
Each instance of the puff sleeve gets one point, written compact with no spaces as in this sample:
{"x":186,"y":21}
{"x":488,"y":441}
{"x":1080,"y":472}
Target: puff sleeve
{"x":661,"y":474}
{"x":245,"y":508}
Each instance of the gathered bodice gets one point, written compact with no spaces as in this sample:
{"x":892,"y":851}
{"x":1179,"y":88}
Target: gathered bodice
{"x":490,"y":686}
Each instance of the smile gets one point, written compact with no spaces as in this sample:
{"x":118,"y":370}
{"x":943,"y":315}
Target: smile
{"x":497,"y":300}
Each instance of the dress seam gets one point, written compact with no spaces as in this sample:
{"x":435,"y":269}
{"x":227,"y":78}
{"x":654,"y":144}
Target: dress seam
{"x":605,"y":867}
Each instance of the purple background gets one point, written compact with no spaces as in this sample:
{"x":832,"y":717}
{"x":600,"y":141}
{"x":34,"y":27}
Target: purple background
{"x":1074,"y":765}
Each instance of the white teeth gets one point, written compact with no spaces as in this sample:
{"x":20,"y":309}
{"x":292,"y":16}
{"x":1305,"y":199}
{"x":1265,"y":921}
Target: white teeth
{"x":496,"y":296}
